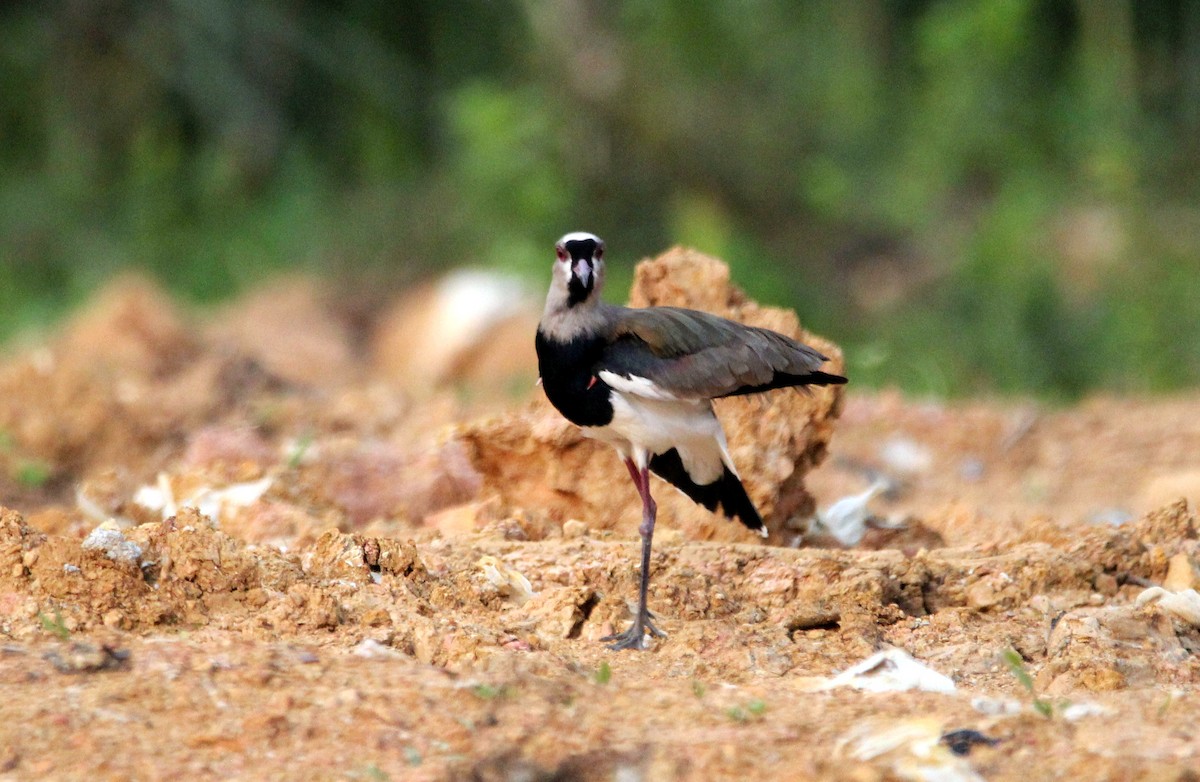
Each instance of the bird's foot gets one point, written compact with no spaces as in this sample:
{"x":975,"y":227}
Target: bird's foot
{"x":635,"y":636}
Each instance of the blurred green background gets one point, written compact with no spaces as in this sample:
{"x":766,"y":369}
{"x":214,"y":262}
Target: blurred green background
{"x":986,"y":195}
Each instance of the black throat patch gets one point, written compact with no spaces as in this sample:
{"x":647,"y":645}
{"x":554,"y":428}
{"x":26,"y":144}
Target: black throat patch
{"x":580,"y":250}
{"x":577,"y":292}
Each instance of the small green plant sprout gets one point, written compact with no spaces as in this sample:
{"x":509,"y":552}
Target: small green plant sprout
{"x":55,"y":626}
{"x":1012,"y":658}
{"x":33,"y":473}
{"x":300,"y":449}
{"x":372,"y":772}
{"x":698,"y":688}
{"x":753,"y":709}
{"x":490,"y":692}
{"x":603,"y":674}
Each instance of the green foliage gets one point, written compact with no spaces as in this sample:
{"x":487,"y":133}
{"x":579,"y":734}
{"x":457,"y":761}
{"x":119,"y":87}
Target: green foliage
{"x":1012,"y":658}
{"x":372,"y":772}
{"x":33,"y":473}
{"x":977,"y":195}
{"x":490,"y":692}
{"x":603,"y":674}
{"x":55,"y":626}
{"x":300,"y":449}
{"x":753,"y":709}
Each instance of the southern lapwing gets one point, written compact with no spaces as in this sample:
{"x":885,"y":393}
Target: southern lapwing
{"x":643,"y":380}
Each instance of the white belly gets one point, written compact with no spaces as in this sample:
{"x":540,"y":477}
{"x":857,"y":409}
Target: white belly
{"x":642,"y":427}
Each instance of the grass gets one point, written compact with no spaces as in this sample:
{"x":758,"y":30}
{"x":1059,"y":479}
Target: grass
{"x":753,"y":709}
{"x":55,"y":626}
{"x":1016,"y":664}
{"x":299,"y":449}
{"x":488,"y":692}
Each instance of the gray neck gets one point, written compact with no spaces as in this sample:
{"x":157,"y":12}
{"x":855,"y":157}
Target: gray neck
{"x":563,"y":323}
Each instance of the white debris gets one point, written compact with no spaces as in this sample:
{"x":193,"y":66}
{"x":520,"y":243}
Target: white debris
{"x":463,"y":309}
{"x":1183,"y":605}
{"x":508,"y":581}
{"x":209,"y":501}
{"x":913,"y":747}
{"x":846,"y":519}
{"x":905,"y":455}
{"x":159,"y":497}
{"x":89,"y":507}
{"x":997,"y":707}
{"x":891,"y":670}
{"x":1111,"y":517}
{"x":373,"y":650}
{"x":109,"y":539}
{"x":1077,"y":711}
{"x":1010,"y":707}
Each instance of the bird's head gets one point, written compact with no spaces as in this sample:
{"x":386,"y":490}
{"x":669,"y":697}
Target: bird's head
{"x":579,"y":266}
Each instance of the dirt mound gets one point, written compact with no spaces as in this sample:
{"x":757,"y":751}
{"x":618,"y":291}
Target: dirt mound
{"x":504,"y":635}
{"x":240,"y":549}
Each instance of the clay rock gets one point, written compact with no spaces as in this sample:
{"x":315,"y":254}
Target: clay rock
{"x":131,"y":325}
{"x":354,"y":557}
{"x":84,"y":397}
{"x":338,"y":556}
{"x":291,"y":331}
{"x":377,"y":480}
{"x":191,"y":553}
{"x":533,"y":459}
{"x":471,"y":327}
{"x":1163,"y":489}
{"x":18,"y":546}
{"x":1181,"y":573}
{"x":1144,"y":547}
{"x":1110,"y":648}
{"x":553,"y":614}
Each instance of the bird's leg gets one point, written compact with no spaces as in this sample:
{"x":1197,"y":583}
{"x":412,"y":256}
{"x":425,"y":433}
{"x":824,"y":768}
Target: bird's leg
{"x":634,"y":637}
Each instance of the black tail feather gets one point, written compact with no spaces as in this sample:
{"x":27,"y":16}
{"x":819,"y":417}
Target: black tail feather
{"x":786,"y":380}
{"x":726,"y":492}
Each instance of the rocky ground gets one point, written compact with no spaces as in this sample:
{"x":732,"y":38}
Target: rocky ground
{"x":296,"y":538}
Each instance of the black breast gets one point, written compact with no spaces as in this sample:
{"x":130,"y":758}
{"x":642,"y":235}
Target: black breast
{"x":569,"y":382}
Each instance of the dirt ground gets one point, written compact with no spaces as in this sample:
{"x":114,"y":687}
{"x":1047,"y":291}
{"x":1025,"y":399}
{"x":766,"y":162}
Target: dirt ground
{"x":296,"y":538}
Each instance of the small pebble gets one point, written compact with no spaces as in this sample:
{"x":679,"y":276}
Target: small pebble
{"x":574,"y":528}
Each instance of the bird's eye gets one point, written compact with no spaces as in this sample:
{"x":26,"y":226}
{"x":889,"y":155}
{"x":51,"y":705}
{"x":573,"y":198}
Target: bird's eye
{"x":599,"y":252}
{"x":561,"y":253}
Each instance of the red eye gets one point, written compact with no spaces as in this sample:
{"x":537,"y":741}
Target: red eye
{"x":599,"y":252}
{"x":561,"y":253}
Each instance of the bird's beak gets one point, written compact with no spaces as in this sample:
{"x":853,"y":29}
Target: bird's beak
{"x":582,"y":269}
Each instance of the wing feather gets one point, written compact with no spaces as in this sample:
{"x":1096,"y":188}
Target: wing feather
{"x":694,"y":355}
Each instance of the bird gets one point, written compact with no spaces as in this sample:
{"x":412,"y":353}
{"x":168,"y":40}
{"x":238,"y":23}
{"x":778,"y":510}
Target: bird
{"x":643,"y":380}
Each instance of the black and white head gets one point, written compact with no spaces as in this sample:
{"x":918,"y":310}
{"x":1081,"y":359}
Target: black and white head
{"x":578,"y":267}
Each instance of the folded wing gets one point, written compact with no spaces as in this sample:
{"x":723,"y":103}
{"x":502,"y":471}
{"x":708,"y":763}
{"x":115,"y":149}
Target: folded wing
{"x":694,"y":355}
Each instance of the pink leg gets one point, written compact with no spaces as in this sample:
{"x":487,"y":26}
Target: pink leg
{"x":634,"y":637}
